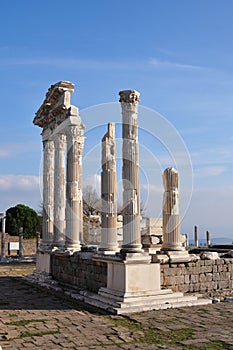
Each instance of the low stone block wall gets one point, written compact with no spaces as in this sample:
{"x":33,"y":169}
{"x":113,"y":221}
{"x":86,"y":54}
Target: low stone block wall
{"x":209,"y":277}
{"x":81,"y":271}
{"x":29,"y":245}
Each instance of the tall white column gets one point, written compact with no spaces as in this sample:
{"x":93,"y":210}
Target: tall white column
{"x":171,"y":217}
{"x":130,"y":172}
{"x":59,"y":190}
{"x":48,"y":193}
{"x":74,"y":204}
{"x":109,"y":243}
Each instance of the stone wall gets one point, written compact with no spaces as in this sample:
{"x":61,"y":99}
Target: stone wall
{"x":29,"y":245}
{"x":209,"y":277}
{"x":80,"y":271}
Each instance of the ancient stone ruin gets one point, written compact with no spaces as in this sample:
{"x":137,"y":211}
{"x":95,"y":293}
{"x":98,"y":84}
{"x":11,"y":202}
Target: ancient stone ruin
{"x":126,"y":278}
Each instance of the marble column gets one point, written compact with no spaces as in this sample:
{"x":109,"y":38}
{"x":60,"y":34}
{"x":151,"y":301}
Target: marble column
{"x":171,"y":217}
{"x":59,"y":190}
{"x":196,"y":236}
{"x":109,"y":243}
{"x":207,"y":238}
{"x":48,"y":193}
{"x":130,"y":172}
{"x":74,"y":204}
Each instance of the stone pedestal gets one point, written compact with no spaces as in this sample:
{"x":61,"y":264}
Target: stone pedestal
{"x":43,"y":263}
{"x":132,"y":277}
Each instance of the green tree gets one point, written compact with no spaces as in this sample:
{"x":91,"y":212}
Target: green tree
{"x":23,"y":216}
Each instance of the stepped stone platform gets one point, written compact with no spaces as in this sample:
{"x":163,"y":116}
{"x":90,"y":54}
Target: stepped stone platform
{"x":164,"y":299}
{"x":108,"y":301}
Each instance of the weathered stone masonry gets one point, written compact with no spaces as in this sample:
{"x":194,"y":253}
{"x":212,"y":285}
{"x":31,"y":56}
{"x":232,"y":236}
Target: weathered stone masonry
{"x":80,"y":271}
{"x":210,"y":277}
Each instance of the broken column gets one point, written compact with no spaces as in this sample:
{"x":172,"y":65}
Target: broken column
{"x":109,"y":243}
{"x":130,"y":172}
{"x":207,"y":238}
{"x":171,"y":219}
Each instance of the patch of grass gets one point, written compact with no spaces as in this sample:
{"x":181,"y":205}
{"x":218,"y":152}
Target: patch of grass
{"x":152,"y":335}
{"x":23,"y":322}
{"x":212,"y":345}
{"x":38,"y":334}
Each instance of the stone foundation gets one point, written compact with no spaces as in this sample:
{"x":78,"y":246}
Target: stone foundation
{"x":208,"y":277}
{"x":80,"y":271}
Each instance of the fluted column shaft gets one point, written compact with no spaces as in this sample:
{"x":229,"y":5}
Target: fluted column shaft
{"x":130,"y":172}
{"x":74,"y":206}
{"x":109,"y":193}
{"x":171,"y":217}
{"x":59,"y":190}
{"x":48,"y":192}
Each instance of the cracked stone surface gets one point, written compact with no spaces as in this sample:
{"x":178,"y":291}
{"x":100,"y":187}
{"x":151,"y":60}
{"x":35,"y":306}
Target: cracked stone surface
{"x":32,"y":318}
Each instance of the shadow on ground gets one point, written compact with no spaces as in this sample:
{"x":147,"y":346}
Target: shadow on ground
{"x":17,"y":294}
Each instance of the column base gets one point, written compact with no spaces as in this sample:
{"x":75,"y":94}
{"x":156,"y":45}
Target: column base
{"x":172,"y":247}
{"x":108,"y":251}
{"x":73,"y":247}
{"x":137,"y":248}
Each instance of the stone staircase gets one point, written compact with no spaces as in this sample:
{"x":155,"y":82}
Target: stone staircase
{"x":163,"y":299}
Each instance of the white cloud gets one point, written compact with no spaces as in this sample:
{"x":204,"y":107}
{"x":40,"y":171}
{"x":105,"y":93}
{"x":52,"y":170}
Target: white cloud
{"x":76,"y":63}
{"x":10,"y":150}
{"x":15,"y":189}
{"x":212,"y":156}
{"x":209,"y":171}
{"x":167,"y":64}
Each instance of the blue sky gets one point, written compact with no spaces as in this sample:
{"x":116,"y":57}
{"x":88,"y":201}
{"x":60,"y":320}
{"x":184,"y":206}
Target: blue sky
{"x":177,"y":54}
